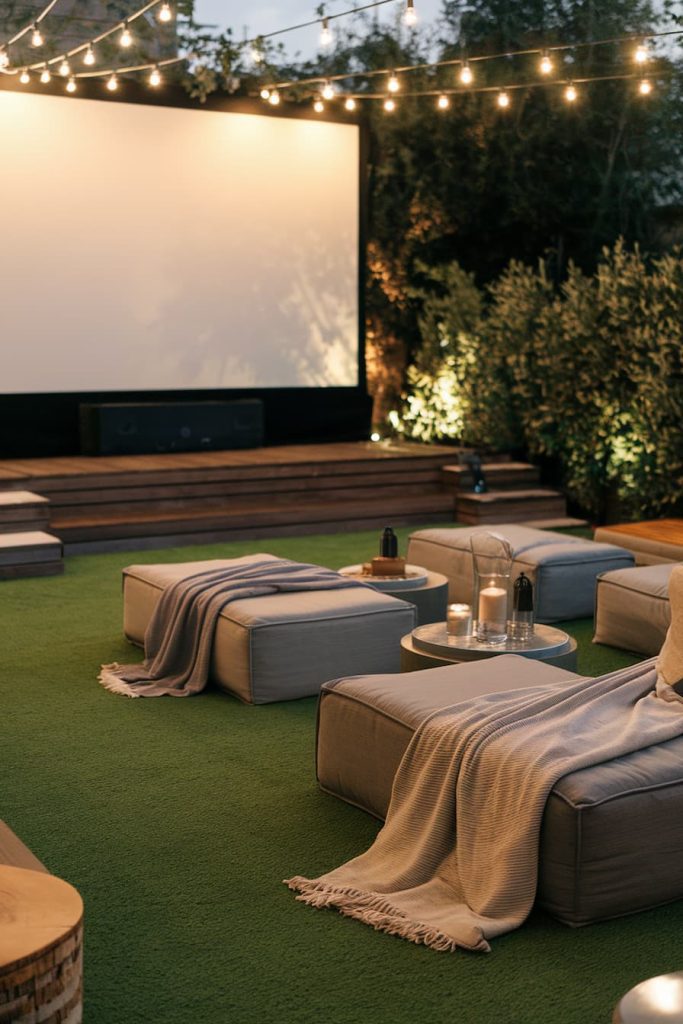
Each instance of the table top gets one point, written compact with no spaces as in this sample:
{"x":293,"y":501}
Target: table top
{"x":36,"y":910}
{"x":416,"y":578}
{"x":547,"y":642}
{"x":657,"y":999}
{"x":666,"y":531}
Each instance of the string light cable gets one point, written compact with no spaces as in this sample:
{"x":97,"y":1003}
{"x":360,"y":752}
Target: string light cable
{"x":32,"y":26}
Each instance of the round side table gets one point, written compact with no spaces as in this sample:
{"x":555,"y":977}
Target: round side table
{"x":429,"y":592}
{"x":655,"y":1001}
{"x":431,"y":647}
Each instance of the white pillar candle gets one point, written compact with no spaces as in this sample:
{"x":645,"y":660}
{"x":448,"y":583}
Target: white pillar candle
{"x":459,"y":620}
{"x":493,"y":605}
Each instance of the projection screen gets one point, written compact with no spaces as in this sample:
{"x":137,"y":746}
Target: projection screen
{"x":159,"y":248}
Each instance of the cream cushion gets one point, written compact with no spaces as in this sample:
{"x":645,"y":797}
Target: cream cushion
{"x":282,"y":646}
{"x":632,"y":608}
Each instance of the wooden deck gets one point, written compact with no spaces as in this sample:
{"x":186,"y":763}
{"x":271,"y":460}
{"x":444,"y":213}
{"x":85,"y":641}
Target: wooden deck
{"x":137,"y":501}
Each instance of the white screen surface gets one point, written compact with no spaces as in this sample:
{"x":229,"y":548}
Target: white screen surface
{"x":148,"y":248}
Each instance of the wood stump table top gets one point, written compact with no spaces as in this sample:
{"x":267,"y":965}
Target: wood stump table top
{"x":37,"y":911}
{"x":664,"y":531}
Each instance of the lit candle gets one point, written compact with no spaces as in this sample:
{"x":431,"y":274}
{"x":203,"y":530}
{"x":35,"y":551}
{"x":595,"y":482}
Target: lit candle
{"x":493,"y":605}
{"x":459,"y":620}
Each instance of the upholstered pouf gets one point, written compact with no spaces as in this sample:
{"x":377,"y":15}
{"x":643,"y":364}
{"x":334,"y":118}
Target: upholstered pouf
{"x":563,"y":569}
{"x":282,"y":646}
{"x":632,"y":608}
{"x":611,"y":839}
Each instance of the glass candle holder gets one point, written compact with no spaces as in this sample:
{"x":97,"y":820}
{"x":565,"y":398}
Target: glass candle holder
{"x":459,"y":620}
{"x":492,"y":566}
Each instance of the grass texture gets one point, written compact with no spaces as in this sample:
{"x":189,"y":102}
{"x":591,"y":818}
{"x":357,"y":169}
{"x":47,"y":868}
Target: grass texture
{"x":178,"y":819}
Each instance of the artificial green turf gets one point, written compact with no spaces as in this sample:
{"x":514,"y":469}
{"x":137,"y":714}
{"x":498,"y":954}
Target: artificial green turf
{"x":178,"y":819}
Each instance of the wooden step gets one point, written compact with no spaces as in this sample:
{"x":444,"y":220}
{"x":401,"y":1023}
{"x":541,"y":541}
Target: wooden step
{"x":23,"y":510}
{"x":499,"y":476}
{"x":510,"y":506}
{"x":30,"y":553}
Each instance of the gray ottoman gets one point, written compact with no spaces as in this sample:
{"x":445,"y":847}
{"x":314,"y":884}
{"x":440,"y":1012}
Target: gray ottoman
{"x":282,"y":646}
{"x":611,"y":839}
{"x":632,"y":608}
{"x":563,"y":569}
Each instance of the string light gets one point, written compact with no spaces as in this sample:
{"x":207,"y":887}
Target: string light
{"x":126,"y":37}
{"x":503,"y":100}
{"x":256,"y":54}
{"x":4,"y":58}
{"x":265,"y":94}
{"x":155,"y":77}
{"x":274,"y":98}
{"x":443,"y":102}
{"x":165,"y":12}
{"x":570,"y":93}
{"x":350,"y":103}
{"x":410,"y":14}
{"x":36,"y":36}
{"x":325,"y":33}
{"x":45,"y":75}
{"x":393,"y":85}
{"x":466,"y":76}
{"x":64,"y":68}
{"x":390,"y":105}
{"x":318,"y":106}
{"x":89,"y":57}
{"x":71,"y":84}
{"x":112,"y":83}
{"x":24,"y":77}
{"x":640,"y":54}
{"x":327,"y":91}
{"x":545,"y":65}
{"x":645,"y":87}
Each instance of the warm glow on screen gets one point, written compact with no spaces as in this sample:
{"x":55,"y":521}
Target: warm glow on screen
{"x":153,"y":248}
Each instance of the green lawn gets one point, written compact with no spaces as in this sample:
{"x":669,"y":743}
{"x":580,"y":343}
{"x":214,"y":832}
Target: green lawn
{"x":178,"y":819}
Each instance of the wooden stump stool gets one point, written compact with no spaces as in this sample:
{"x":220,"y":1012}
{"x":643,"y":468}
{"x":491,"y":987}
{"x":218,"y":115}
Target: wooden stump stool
{"x":652,"y":1002}
{"x":41,"y":954}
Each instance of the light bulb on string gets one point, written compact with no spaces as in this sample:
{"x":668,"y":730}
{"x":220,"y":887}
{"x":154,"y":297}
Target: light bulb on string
{"x":443,"y":102}
{"x":37,"y":36}
{"x":318,"y":105}
{"x":274,"y":98}
{"x":640,"y":54}
{"x":89,"y":57}
{"x":155,"y":77}
{"x":393,"y":85}
{"x":325,"y":33}
{"x":390,"y":105}
{"x":256,"y":54}
{"x":645,"y":87}
{"x":265,"y":94}
{"x":24,"y":77}
{"x":126,"y":37}
{"x":349,"y":104}
{"x":71,"y":84}
{"x":165,"y":12}
{"x":327,"y":91}
{"x":466,"y":76}
{"x":545,"y":65}
{"x":64,"y":68}
{"x":410,"y":14}
{"x":112,"y":83}
{"x":45,"y":75}
{"x":503,"y":100}
{"x":570,"y":93}
{"x":4,"y":57}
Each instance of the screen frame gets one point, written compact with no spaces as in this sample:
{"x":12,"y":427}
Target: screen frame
{"x":46,"y":422}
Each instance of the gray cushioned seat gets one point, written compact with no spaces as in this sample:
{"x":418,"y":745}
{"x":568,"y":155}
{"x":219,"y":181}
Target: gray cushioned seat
{"x":282,"y":646}
{"x":632,"y":608}
{"x":563,"y":569}
{"x":612,"y":835}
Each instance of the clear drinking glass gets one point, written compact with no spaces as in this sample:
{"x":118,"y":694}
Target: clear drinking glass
{"x":492,"y":568}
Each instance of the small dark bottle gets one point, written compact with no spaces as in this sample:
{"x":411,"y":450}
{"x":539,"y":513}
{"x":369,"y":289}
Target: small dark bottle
{"x":388,"y":545}
{"x":523,"y":609}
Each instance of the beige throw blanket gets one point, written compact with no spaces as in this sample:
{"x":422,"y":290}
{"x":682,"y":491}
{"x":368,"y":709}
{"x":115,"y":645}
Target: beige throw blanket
{"x":179,"y":637}
{"x":670,"y":660}
{"x":457,"y":860}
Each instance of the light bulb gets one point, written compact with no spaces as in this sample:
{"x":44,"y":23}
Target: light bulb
{"x":443,"y":102}
{"x":37,"y":36}
{"x":640,"y":54}
{"x":503,"y":100}
{"x":4,"y":58}
{"x":265,"y":93}
{"x":327,"y":91}
{"x":318,"y":106}
{"x":165,"y":13}
{"x":466,"y":76}
{"x":645,"y":87}
{"x":390,"y":105}
{"x":89,"y":57}
{"x":71,"y":85}
{"x":570,"y":93}
{"x":126,"y":37}
{"x":410,"y":14}
{"x":155,"y":77}
{"x":545,"y":65}
{"x":24,"y":77}
{"x":274,"y":98}
{"x":112,"y":83}
{"x":350,"y":103}
{"x":64,"y":68}
{"x":393,"y":85}
{"x":325,"y":33}
{"x":45,"y":75}
{"x":256,"y":55}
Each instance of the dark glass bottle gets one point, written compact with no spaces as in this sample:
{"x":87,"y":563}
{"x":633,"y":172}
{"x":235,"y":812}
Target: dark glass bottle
{"x":388,"y":545}
{"x":523,"y":608}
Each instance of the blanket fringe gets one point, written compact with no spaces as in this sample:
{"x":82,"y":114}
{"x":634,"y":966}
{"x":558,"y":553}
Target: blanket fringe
{"x":377,"y":911}
{"x":110,"y":681}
